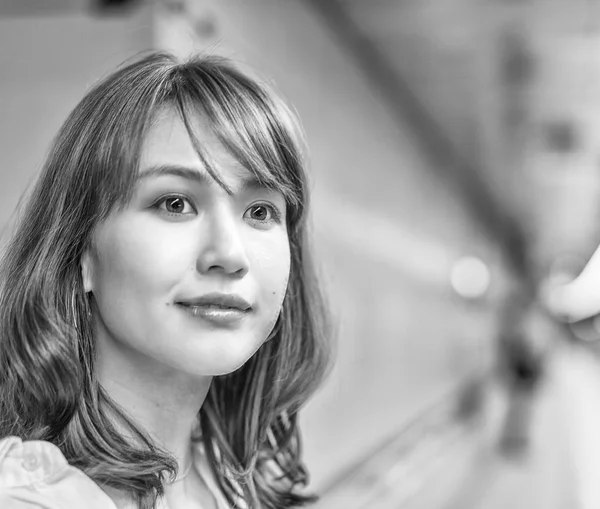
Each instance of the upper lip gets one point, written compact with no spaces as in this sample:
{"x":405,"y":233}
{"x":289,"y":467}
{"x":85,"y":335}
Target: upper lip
{"x":226,"y":300}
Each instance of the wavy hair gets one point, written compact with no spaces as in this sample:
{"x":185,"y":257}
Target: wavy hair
{"x":48,"y":385}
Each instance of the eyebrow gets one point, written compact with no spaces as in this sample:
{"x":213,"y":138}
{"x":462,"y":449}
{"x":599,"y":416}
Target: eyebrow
{"x":248,"y":182}
{"x":168,"y":170}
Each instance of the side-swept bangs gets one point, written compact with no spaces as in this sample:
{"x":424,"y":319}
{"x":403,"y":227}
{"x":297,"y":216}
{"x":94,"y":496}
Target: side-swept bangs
{"x":251,"y":122}
{"x":103,"y":137}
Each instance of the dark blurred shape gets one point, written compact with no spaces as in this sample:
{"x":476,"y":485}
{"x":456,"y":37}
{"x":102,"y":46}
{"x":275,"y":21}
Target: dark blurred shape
{"x":517,"y":70}
{"x":560,"y":136}
{"x":518,"y":65}
{"x":471,"y":398}
{"x":114,"y":6}
{"x":175,"y":6}
{"x":205,"y":27}
{"x":521,"y":368}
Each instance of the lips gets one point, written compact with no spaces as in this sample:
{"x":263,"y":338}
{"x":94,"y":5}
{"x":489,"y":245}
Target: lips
{"x":218,"y":300}
{"x":217,"y":308}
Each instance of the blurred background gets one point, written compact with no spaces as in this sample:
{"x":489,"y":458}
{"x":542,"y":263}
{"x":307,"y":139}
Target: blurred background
{"x":455,"y":164}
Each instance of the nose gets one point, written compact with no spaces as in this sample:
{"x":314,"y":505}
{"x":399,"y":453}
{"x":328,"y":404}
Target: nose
{"x":222,"y":249}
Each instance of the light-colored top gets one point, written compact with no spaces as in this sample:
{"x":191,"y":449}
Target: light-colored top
{"x":36,"y":475}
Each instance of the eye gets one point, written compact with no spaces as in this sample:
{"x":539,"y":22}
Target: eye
{"x":262,"y":214}
{"x":175,"y":205}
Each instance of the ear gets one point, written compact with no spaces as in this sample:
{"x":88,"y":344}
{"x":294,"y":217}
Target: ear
{"x":87,"y":271}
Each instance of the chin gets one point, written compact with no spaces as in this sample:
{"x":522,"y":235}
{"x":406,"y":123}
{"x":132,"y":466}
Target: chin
{"x":225,"y":367}
{"x":225,"y":359}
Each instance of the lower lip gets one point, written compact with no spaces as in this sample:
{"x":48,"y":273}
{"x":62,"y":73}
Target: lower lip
{"x":215,"y":314}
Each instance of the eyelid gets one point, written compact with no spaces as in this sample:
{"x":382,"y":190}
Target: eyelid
{"x":275,"y":211}
{"x":158,"y":202}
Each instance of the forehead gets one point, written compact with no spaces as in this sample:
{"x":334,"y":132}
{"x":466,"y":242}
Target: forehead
{"x":168,"y":143}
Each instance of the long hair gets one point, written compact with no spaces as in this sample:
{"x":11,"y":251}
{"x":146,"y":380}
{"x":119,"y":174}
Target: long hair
{"x":48,"y":385}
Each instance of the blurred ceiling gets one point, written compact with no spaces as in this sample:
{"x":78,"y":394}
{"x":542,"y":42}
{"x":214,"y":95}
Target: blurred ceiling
{"x":427,"y":72}
{"x":509,"y":87}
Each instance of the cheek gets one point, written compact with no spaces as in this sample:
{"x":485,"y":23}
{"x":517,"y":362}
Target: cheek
{"x":135,"y":259}
{"x":272,"y":262}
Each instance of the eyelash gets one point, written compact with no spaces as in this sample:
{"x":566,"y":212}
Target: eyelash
{"x":275,"y":213}
{"x":160,"y":201}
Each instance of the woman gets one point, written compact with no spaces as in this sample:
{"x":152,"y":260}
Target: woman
{"x":160,"y":323}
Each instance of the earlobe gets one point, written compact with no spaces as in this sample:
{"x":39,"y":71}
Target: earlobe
{"x":86,"y":271}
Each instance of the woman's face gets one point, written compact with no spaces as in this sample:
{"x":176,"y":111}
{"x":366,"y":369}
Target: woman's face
{"x":186,"y":274}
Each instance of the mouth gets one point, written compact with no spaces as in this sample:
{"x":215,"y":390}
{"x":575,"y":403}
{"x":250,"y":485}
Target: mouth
{"x":217,"y":308}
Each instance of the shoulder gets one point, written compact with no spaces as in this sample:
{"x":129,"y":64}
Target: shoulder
{"x":35,"y":474}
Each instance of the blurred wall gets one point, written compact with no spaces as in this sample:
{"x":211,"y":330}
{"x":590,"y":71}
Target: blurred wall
{"x":47,"y":61}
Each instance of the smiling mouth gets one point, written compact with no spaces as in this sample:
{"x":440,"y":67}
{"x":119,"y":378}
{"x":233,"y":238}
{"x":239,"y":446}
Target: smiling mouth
{"x":219,"y":309}
{"x":219,"y":315}
{"x":213,"y":306}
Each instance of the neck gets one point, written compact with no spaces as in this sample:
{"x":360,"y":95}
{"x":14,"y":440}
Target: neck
{"x":164,"y":402}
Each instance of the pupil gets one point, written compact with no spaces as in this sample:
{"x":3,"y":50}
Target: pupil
{"x":175,"y":205}
{"x":260,"y":213}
